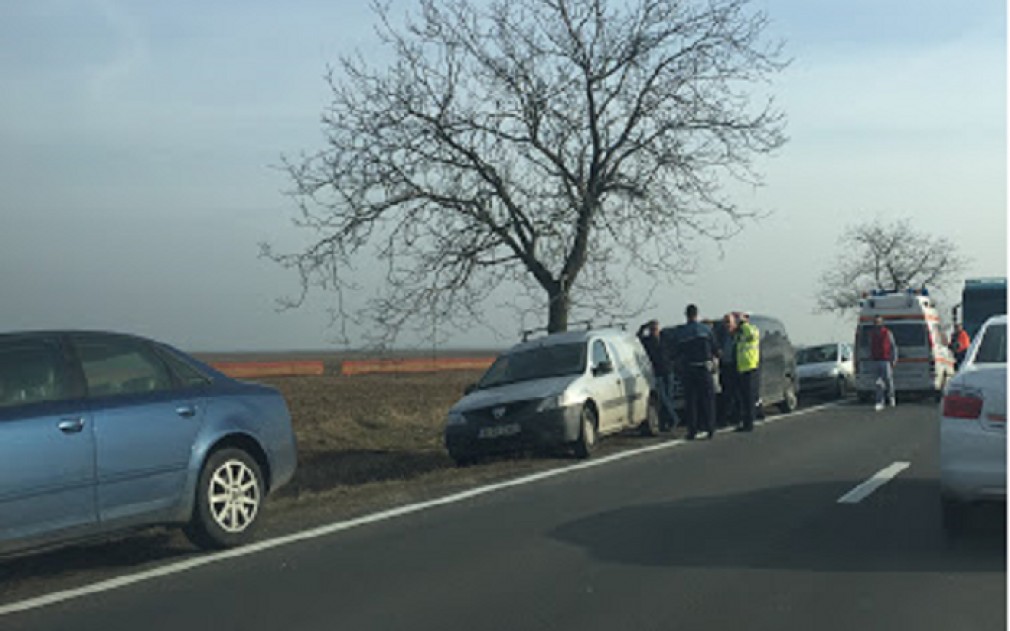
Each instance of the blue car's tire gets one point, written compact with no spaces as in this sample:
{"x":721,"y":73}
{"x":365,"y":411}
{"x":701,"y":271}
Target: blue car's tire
{"x":229,"y":500}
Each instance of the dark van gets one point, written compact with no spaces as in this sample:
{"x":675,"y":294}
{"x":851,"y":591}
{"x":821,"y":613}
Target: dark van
{"x":777,"y":380}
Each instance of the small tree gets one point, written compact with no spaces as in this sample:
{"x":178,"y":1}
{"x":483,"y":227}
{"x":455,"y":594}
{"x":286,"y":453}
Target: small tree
{"x":540,"y":142}
{"x":889,"y":256}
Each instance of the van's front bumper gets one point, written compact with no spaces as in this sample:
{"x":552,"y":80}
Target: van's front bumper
{"x":554,"y":427}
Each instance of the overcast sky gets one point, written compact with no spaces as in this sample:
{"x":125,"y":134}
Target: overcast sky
{"x":137,"y":140}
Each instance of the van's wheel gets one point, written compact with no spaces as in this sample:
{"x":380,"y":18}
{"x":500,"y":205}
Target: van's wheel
{"x":650,"y":426}
{"x":586,"y":442}
{"x":229,"y":497}
{"x":789,"y":400}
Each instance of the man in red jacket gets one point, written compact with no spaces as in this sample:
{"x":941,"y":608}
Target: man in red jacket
{"x":959,"y":343}
{"x":884,"y":353}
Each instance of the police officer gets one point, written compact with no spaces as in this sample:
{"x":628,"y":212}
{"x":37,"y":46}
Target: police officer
{"x":697,"y":353}
{"x":748,"y":357}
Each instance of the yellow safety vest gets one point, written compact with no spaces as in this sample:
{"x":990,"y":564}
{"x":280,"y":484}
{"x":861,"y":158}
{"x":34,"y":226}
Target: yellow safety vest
{"x":748,"y":347}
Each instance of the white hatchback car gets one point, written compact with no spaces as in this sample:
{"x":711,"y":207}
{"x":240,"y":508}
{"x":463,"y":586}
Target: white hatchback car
{"x":973,"y":426}
{"x":561,"y":389}
{"x":826,"y":369}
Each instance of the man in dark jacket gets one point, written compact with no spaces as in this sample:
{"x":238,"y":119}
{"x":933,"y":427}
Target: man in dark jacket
{"x":728,"y":377}
{"x":697,"y":354}
{"x":648,"y":335}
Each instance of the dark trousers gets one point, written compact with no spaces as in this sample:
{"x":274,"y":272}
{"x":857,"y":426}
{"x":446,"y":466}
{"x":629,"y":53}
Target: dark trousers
{"x":727,"y":406}
{"x":668,"y":412}
{"x":699,"y":397}
{"x":747,"y":385}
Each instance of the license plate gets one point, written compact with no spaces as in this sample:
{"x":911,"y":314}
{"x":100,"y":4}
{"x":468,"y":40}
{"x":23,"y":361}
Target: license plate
{"x":497,"y":431}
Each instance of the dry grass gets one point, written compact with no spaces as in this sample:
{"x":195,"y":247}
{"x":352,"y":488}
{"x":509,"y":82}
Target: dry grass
{"x":371,"y":412}
{"x":354,"y":430}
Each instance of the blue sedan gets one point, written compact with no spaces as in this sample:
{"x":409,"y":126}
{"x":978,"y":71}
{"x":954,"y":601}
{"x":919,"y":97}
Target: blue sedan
{"x":101,"y":432}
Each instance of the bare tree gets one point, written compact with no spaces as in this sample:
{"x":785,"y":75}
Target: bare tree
{"x":540,"y":142}
{"x":889,"y":256}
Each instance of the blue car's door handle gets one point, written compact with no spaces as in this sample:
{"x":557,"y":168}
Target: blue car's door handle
{"x":186,"y":411}
{"x":71,"y":425}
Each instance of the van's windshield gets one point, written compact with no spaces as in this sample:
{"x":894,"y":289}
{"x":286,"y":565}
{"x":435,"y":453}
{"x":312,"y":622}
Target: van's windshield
{"x":536,"y":363}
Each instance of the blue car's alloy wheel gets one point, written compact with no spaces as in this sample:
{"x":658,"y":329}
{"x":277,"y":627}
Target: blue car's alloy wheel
{"x":228,"y":502}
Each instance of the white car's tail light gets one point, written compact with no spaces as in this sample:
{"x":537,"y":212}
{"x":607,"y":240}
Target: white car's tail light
{"x":961,"y":403}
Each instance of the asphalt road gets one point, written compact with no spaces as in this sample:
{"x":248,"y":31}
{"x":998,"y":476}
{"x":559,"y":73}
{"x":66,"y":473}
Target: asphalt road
{"x":742,"y":532}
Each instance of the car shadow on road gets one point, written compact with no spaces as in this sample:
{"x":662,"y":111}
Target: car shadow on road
{"x":798,"y":527}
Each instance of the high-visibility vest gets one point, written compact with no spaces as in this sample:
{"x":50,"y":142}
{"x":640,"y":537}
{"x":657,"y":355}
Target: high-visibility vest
{"x":748,"y":347}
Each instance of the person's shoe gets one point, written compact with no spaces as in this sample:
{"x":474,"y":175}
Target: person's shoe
{"x":891,"y":402}
{"x":878,"y":407}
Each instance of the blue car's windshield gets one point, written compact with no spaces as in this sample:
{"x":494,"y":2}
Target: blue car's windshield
{"x":537,"y":363}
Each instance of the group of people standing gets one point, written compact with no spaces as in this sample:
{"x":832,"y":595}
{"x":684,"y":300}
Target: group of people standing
{"x":695,"y":357}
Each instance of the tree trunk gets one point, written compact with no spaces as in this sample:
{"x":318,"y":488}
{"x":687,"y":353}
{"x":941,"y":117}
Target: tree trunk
{"x":557,"y":319}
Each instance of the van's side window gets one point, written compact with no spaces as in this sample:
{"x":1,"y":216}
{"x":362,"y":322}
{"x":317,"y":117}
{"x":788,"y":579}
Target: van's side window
{"x":600,"y":354}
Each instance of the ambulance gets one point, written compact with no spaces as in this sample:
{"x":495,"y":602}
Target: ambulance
{"x":925,"y":364}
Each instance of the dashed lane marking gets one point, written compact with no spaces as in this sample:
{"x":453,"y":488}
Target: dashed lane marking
{"x":879,"y":479}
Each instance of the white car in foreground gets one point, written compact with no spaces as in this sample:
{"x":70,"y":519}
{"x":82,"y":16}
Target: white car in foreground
{"x":973,"y":427}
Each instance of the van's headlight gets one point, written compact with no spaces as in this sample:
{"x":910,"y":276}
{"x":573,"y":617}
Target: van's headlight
{"x":455,"y":418}
{"x":553,"y":403}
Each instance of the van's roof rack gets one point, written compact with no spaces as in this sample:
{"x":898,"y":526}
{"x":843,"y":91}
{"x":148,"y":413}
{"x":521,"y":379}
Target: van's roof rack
{"x":587,"y":325}
{"x":616,"y":324}
{"x":528,"y":332}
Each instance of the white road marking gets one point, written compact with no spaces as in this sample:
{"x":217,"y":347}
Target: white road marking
{"x":322,"y":531}
{"x":879,"y":479}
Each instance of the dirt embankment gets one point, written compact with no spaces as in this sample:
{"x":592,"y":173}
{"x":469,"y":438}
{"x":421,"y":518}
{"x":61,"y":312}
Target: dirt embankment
{"x":370,"y":441}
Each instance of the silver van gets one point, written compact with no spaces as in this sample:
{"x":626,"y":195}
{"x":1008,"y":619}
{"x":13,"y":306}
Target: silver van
{"x":564,"y":389}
